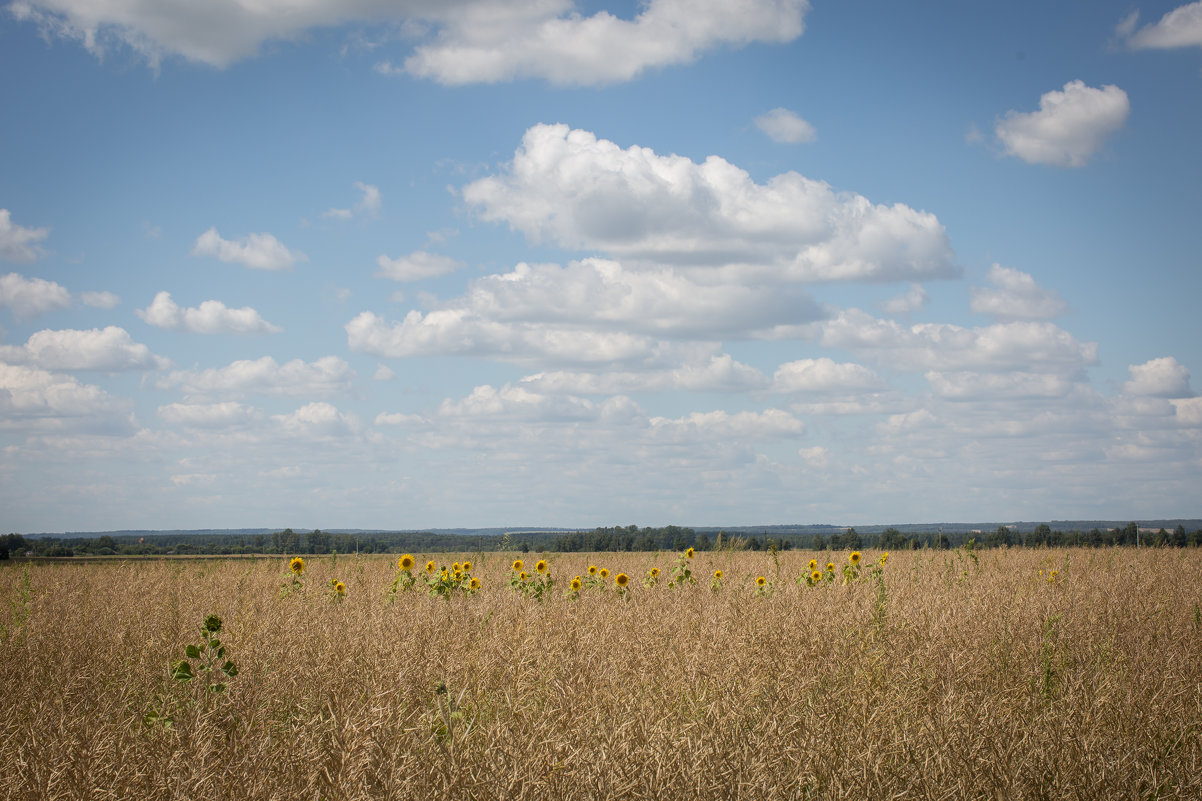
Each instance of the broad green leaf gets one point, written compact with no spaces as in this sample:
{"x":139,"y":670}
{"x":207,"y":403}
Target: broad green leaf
{"x":230,"y":668}
{"x":192,"y":651}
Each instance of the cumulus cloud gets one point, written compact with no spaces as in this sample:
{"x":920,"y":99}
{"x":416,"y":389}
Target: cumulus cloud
{"x":383,"y":373}
{"x":109,"y":349}
{"x":27,"y":297}
{"x":257,"y":251}
{"x":100,"y":300}
{"x":782,"y":125}
{"x":1027,"y":345}
{"x":416,"y":266}
{"x":18,"y":243}
{"x":31,"y":398}
{"x":228,"y":414}
{"x":1015,"y":385}
{"x":1015,"y":296}
{"x":317,"y":421}
{"x":471,"y":40}
{"x":825,"y":375}
{"x":1070,"y":126}
{"x":584,"y":192}
{"x":913,"y":299}
{"x":718,"y":373}
{"x":1162,"y":378}
{"x":1181,"y":27}
{"x":369,"y":203}
{"x":547,"y":40}
{"x":719,"y":424}
{"x":211,"y":317}
{"x":328,"y":375}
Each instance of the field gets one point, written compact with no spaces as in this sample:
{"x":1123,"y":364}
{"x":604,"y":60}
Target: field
{"x":937,"y":675}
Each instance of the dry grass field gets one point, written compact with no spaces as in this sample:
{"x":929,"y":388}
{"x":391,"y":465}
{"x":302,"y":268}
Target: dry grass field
{"x":948,"y":678}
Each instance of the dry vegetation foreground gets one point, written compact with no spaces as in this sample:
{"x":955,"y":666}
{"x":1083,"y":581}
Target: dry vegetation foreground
{"x":956,"y":680}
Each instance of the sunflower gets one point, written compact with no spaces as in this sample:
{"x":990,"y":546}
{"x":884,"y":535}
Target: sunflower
{"x":830,"y":567}
{"x":761,"y":581}
{"x":541,"y":566}
{"x":884,"y":557}
{"x":517,"y":565}
{"x":718,"y":575}
{"x":523,"y":575}
{"x":621,"y":579}
{"x":654,"y":572}
{"x":854,"y":557}
{"x":604,"y":572}
{"x":455,"y":567}
{"x":816,"y":575}
{"x":592,"y":570}
{"x":475,"y":583}
{"x":813,"y":564}
{"x":459,"y":575}
{"x":297,"y":565}
{"x":405,"y":562}
{"x":339,"y":588}
{"x":689,"y":553}
{"x":430,"y":566}
{"x":576,"y":584}
{"x":467,"y":567}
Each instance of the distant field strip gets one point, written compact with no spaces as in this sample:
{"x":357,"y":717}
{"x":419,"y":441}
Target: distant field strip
{"x":1009,"y":673}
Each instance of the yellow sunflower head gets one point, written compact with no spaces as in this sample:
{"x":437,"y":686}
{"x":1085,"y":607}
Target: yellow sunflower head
{"x":459,"y":575}
{"x":297,"y":565}
{"x":816,"y":575}
{"x":689,"y":553}
{"x":576,"y":584}
{"x":830,"y":567}
{"x":467,"y":567}
{"x":654,"y":573}
{"x":854,"y":557}
{"x":604,"y":572}
{"x":518,"y":565}
{"x":718,"y":575}
{"x":339,"y":588}
{"x":455,"y":567}
{"x":523,"y":575}
{"x":474,"y":583}
{"x":621,"y":579}
{"x":541,"y":566}
{"x":405,"y":562}
{"x":430,"y":566}
{"x":813,"y":564}
{"x":884,"y":557}
{"x":761,"y":581}
{"x":592,"y":570}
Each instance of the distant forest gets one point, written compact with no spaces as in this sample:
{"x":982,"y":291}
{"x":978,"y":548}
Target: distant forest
{"x":616,"y":538}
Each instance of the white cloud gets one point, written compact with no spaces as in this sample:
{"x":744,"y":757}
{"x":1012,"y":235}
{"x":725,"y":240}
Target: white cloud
{"x":584,"y":192}
{"x":416,"y":266}
{"x":1181,"y":27}
{"x":257,"y":251}
{"x":511,"y":402}
{"x":18,"y":243}
{"x":719,"y":373}
{"x":1028,"y":346}
{"x":398,"y":419}
{"x":100,"y":300}
{"x":782,"y":125}
{"x":383,"y":373}
{"x":328,"y":375}
{"x":912,"y":300}
{"x":28,"y":297}
{"x":211,"y":317}
{"x":909,"y":421}
{"x":109,"y":349}
{"x":1069,"y":127}
{"x":1162,"y":378}
{"x":368,"y":204}
{"x":33,"y":399}
{"x":817,"y":456}
{"x":824,"y":375}
{"x":1015,"y":296}
{"x":769,"y":424}
{"x":490,"y":43}
{"x":317,"y":421}
{"x":474,"y":40}
{"x":228,"y":414}
{"x":1015,"y":385}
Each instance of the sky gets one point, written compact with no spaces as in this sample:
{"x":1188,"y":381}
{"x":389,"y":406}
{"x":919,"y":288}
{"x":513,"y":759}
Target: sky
{"x":415,"y":264}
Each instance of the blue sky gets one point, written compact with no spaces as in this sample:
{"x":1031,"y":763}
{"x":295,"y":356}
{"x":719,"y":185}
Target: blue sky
{"x":414,"y":264}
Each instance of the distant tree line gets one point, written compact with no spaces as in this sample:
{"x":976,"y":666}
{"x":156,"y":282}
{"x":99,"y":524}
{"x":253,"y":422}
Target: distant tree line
{"x":613,"y":538}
